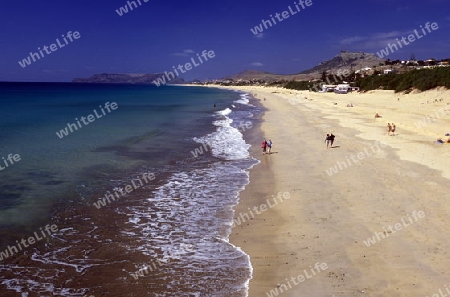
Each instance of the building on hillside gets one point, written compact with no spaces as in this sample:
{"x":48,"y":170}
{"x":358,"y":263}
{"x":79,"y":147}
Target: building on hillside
{"x":328,"y":88}
{"x":387,"y":71}
{"x":430,"y":62}
{"x":342,"y":89}
{"x":365,"y":71}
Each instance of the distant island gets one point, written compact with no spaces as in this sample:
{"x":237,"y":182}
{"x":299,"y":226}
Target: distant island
{"x":123,"y":78}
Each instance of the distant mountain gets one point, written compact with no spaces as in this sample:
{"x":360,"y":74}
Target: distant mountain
{"x":343,"y":61}
{"x":346,"y":60}
{"x":120,"y":78}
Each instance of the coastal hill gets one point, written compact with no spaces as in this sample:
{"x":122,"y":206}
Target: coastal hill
{"x":351,"y":61}
{"x":121,"y":78}
{"x":347,"y":60}
{"x":344,"y":60}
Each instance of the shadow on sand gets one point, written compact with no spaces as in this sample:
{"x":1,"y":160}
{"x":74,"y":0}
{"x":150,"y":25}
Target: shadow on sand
{"x":271,"y":153}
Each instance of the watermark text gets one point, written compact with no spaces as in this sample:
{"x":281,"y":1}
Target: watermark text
{"x":90,"y":118}
{"x":341,"y":165}
{"x":53,"y":48}
{"x":429,"y":27}
{"x":10,"y":160}
{"x":246,"y":216}
{"x":294,"y":281}
{"x":392,"y":229}
{"x":272,"y":21}
{"x":109,"y":198}
{"x":169,"y":75}
{"x":24,"y":243}
{"x":130,"y":4}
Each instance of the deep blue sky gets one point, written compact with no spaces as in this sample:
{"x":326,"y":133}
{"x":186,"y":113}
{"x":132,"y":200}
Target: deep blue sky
{"x":160,"y":34}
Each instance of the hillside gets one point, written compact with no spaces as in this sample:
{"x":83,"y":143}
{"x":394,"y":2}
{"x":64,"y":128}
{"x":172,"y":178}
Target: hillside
{"x":419,"y":79}
{"x":343,"y":60}
{"x":257,"y":75}
{"x":346,"y":60}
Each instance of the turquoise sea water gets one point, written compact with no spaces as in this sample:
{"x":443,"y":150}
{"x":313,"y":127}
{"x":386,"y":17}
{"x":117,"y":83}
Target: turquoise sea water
{"x":148,"y":126}
{"x":152,"y":130}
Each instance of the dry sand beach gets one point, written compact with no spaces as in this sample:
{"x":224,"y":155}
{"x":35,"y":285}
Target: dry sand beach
{"x":392,"y":189}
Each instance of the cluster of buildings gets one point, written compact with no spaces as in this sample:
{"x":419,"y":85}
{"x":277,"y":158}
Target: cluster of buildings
{"x":339,"y":88}
{"x":401,"y":66}
{"x":419,"y":63}
{"x":394,"y":66}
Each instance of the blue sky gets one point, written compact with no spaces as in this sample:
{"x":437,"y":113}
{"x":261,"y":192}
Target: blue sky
{"x":160,"y":34}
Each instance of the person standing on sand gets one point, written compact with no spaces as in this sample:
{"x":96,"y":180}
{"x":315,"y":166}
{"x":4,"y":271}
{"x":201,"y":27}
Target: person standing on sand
{"x":393,"y":129}
{"x":264,"y":146}
{"x":389,"y":129}
{"x":269,"y":146}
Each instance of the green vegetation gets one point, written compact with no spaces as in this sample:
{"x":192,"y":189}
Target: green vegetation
{"x":423,"y":79}
{"x":300,"y":85}
{"x":328,"y":79}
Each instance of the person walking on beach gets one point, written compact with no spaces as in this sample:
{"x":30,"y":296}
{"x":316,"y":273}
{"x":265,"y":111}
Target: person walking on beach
{"x":269,"y":146}
{"x":264,"y":146}
{"x":393,"y":129}
{"x":331,"y":139}
{"x":389,"y":129}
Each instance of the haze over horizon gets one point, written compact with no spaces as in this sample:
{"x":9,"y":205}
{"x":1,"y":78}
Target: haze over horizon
{"x":154,"y":36}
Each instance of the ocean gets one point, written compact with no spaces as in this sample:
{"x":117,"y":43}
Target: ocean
{"x":122,"y":190}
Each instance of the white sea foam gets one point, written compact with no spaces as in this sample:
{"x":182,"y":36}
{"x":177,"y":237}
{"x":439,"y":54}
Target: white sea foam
{"x":245,"y":99}
{"x":193,"y":222}
{"x":226,"y":142}
{"x":225,"y":112}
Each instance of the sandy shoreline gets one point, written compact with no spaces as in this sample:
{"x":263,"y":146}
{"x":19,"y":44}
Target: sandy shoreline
{"x":329,"y":217}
